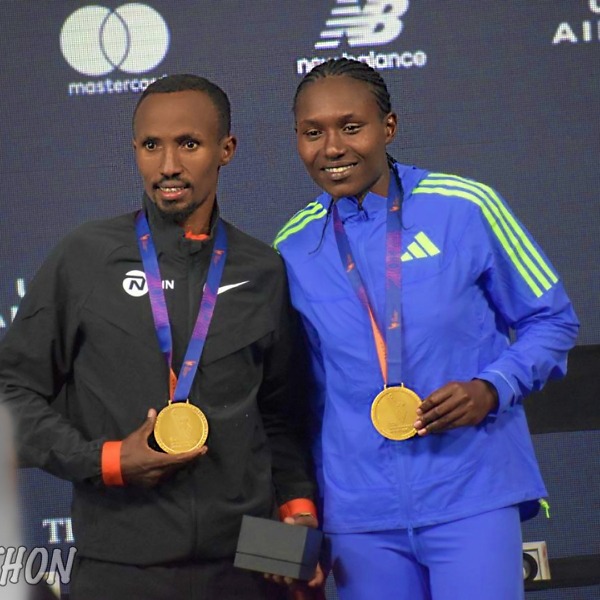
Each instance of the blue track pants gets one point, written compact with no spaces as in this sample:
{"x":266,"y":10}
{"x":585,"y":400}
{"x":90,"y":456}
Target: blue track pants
{"x":478,"y":558}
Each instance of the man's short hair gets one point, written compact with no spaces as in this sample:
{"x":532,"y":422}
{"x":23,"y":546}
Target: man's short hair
{"x":186,"y":82}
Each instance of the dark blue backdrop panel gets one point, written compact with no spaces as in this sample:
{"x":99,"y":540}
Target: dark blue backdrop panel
{"x":507,"y":94}
{"x":503,"y":92}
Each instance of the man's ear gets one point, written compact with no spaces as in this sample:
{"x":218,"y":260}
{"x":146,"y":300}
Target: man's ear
{"x":228,"y":146}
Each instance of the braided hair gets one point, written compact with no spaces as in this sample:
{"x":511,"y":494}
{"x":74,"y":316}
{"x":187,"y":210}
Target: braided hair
{"x":346,"y":67}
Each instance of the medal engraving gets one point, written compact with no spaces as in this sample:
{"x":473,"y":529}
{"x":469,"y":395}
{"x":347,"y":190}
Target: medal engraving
{"x":180,"y":427}
{"x":394,"y":412}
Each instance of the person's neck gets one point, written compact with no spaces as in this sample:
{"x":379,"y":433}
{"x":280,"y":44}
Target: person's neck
{"x":198,"y":223}
{"x":192,"y":229}
{"x":380,"y":188}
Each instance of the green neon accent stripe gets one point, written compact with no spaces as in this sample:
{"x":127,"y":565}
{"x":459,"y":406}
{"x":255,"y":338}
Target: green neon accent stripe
{"x":310,"y":208}
{"x":429,"y":246}
{"x":406,"y":257}
{"x":546,"y":506}
{"x":289,"y":231}
{"x":493,"y":224}
{"x":515,"y":226}
{"x":484,"y":195}
{"x":415,"y":249}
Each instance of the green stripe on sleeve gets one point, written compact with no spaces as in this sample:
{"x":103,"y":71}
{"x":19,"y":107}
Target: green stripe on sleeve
{"x":519,"y":231}
{"x":287,"y":231}
{"x":510,"y":234}
{"x":496,"y":228}
{"x":310,"y":208}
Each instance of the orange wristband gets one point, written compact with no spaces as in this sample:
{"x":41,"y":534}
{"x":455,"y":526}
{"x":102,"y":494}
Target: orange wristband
{"x":297,"y":506}
{"x":111,"y":464}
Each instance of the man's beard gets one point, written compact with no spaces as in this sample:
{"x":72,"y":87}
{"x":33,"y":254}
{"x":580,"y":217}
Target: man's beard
{"x":178,"y":217}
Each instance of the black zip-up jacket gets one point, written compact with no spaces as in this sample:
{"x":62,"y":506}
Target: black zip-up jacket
{"x":81,"y":365}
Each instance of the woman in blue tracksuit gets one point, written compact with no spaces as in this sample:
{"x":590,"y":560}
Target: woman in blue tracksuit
{"x":409,"y":284}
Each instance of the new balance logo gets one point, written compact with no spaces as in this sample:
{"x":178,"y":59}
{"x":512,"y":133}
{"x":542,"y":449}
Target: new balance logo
{"x":420,"y":247}
{"x":378,"y":22}
{"x":364,"y":24}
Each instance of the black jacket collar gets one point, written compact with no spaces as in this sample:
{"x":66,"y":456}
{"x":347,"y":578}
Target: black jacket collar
{"x":168,"y":236}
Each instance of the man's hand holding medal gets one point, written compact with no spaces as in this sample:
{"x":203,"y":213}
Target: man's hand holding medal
{"x":145,"y":467}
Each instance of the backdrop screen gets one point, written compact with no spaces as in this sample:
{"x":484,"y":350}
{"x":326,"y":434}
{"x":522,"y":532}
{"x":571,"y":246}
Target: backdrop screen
{"x":503,"y":92}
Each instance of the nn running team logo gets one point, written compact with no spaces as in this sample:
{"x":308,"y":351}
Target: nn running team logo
{"x":136,"y":285}
{"x":364,"y":24}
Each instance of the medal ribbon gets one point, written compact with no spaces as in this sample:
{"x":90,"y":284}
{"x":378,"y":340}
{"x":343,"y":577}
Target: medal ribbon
{"x":180,"y":387}
{"x":389,"y":343}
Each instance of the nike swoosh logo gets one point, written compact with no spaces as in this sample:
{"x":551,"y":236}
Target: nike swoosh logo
{"x":226,"y":288}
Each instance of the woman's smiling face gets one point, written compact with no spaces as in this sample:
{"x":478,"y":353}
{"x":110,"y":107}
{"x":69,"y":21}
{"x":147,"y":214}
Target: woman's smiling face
{"x":342,"y":136}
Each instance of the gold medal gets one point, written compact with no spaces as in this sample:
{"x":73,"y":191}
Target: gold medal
{"x":180,"y":427}
{"x":394,"y":412}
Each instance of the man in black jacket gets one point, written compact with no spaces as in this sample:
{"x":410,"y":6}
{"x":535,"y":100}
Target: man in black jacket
{"x":89,"y":357}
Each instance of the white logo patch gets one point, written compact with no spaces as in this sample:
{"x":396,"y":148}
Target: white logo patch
{"x":133,"y":38}
{"x":135,"y":283}
{"x":225,"y":288}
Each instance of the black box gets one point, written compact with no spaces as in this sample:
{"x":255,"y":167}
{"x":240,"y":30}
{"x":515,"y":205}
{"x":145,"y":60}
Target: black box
{"x":278,"y":548}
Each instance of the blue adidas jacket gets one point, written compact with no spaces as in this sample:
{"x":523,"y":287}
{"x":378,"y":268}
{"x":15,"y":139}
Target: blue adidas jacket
{"x":470,"y":273}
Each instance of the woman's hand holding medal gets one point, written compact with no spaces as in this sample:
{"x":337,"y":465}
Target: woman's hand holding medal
{"x":456,"y":404}
{"x":145,"y":467}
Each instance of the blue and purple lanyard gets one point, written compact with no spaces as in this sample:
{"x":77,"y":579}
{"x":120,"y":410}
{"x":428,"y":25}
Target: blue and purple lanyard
{"x":180,"y":390}
{"x":388,"y":344}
